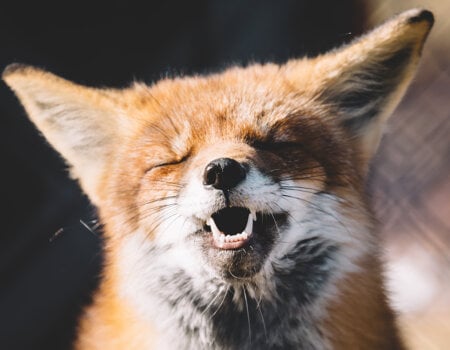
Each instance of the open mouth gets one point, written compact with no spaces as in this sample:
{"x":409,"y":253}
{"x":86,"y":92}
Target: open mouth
{"x":234,"y":227}
{"x":239,"y":239}
{"x":231,"y":227}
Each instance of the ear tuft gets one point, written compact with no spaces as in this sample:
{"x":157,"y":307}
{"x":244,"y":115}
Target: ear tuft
{"x":12,"y":69}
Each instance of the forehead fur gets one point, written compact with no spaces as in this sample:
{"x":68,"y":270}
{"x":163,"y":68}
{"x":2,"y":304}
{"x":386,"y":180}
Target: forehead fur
{"x":244,"y":93}
{"x":239,"y":103}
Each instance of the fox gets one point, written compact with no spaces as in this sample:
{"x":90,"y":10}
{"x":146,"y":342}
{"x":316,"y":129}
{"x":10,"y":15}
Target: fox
{"x":233,"y":204}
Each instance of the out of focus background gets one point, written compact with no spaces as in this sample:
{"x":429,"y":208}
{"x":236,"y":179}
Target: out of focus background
{"x":410,"y":186}
{"x":49,"y":246}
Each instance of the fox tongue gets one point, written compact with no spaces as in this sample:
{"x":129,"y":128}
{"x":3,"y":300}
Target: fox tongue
{"x":235,"y":241}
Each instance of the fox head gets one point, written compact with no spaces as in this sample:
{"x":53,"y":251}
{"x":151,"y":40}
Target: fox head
{"x":240,"y":177}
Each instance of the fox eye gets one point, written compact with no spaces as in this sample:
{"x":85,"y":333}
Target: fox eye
{"x":274,"y":146}
{"x":174,"y":162}
{"x":162,"y":165}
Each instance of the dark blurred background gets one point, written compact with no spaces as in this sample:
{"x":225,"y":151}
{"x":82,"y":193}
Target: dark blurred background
{"x":49,"y":246}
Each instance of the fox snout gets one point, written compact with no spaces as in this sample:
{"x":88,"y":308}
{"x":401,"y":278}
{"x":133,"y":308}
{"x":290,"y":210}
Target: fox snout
{"x":232,"y":198}
{"x":231,"y":226}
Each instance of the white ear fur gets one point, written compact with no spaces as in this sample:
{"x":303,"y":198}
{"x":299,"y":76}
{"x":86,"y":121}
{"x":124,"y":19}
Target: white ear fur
{"x":79,"y":122}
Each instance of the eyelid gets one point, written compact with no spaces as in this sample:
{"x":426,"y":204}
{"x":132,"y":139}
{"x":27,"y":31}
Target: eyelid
{"x":174,"y":162}
{"x":162,"y":164}
{"x":274,"y":145}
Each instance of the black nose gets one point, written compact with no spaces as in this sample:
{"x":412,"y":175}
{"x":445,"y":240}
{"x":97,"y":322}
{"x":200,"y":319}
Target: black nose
{"x":223,"y":174}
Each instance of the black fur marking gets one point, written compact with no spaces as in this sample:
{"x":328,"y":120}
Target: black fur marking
{"x":299,"y":277}
{"x":311,"y":263}
{"x":378,"y":82}
{"x":296,"y":286}
{"x":424,"y":15}
{"x":14,"y":68}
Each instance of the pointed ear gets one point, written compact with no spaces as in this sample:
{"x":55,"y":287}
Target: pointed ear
{"x":364,"y":81}
{"x":79,"y":122}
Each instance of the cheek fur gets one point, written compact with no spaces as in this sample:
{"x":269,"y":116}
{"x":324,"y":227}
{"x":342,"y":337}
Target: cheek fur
{"x":158,"y":195}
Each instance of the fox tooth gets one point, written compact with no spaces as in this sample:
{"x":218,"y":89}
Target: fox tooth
{"x":215,"y":230}
{"x":249,"y":227}
{"x":253,"y":214}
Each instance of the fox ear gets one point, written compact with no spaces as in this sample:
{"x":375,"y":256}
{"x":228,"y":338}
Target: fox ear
{"x":364,"y":81}
{"x":79,"y":122}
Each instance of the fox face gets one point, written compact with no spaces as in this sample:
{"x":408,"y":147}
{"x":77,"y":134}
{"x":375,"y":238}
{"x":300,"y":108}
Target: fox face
{"x":228,"y":184}
{"x":233,"y":204}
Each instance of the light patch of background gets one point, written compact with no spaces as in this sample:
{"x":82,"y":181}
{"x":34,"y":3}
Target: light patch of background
{"x":411,"y":187}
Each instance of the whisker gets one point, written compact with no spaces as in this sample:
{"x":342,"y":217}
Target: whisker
{"x":144,"y":203}
{"x":177,"y":184}
{"x":248,"y":316}
{"x":175,"y":216}
{"x":298,"y":187}
{"x":161,"y":220}
{"x":221,"y":303}
{"x":145,"y":213}
{"x":304,"y":177}
{"x":313,"y":191}
{"x":315,"y":206}
{"x":210,"y":303}
{"x":147,"y":210}
{"x":258,"y":307}
{"x":275,"y":222}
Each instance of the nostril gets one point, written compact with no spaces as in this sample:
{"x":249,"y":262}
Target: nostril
{"x":212,"y":174}
{"x":223,"y":173}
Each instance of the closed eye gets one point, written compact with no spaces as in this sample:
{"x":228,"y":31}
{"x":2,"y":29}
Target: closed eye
{"x":168,"y":163}
{"x":275,"y":146}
